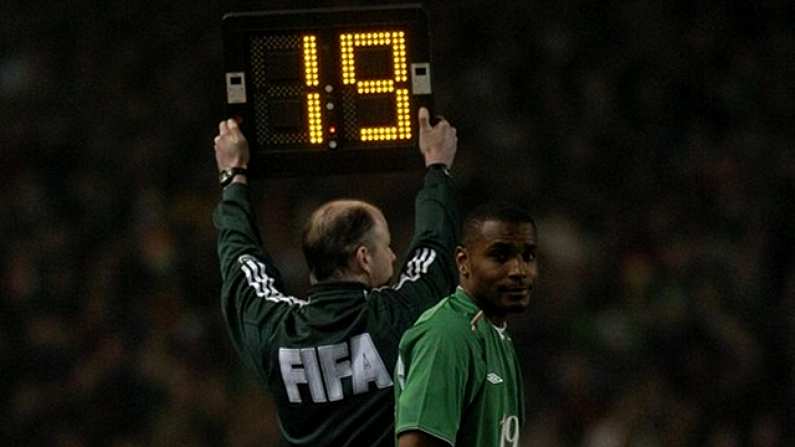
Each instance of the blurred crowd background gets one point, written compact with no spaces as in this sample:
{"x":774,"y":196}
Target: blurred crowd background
{"x":652,"y":140}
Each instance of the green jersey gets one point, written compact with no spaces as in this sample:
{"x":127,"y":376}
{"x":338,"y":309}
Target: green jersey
{"x":457,"y":381}
{"x":327,"y":358}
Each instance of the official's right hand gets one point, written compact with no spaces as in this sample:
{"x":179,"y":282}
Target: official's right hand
{"x":438,"y":143}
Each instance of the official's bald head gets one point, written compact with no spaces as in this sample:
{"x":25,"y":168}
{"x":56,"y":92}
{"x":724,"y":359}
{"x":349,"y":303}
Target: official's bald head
{"x":334,"y":232}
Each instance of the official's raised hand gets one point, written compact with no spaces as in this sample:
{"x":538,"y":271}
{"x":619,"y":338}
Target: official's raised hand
{"x":438,"y":143}
{"x":231,"y":147}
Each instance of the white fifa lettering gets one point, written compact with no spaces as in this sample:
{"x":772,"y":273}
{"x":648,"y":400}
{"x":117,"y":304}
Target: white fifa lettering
{"x":367,"y":365}
{"x":328,"y":365}
{"x":313,"y":375}
{"x":300,"y":366}
{"x":334,"y":369}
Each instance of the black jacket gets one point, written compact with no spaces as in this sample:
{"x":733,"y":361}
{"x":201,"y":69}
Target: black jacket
{"x":328,"y":359}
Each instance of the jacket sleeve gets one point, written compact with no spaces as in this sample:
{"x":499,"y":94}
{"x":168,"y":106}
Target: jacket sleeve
{"x":252,"y":300}
{"x":429,"y":273}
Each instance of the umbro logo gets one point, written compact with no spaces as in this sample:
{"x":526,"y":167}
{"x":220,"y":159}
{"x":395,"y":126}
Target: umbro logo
{"x":493,"y":378}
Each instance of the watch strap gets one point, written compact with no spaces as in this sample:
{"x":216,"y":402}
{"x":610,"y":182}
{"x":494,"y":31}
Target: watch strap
{"x":440,"y":166}
{"x":226,"y":176}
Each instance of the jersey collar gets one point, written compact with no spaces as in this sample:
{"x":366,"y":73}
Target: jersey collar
{"x":462,"y":298}
{"x":337,"y":285}
{"x":336,"y":289}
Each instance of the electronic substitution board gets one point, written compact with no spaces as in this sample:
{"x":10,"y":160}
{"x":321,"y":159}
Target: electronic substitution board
{"x":329,"y":91}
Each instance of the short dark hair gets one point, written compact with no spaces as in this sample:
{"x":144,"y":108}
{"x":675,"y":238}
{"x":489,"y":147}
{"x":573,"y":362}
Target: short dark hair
{"x":500,"y":211}
{"x":333,"y":233}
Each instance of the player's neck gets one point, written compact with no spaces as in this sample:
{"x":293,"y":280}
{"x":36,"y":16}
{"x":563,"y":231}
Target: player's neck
{"x":498,"y":319}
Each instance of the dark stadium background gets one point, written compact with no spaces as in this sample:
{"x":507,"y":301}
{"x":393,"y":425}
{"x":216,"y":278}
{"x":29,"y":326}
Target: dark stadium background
{"x":652,"y":140}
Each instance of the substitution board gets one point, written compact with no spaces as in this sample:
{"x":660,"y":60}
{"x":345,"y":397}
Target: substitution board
{"x":329,"y":91}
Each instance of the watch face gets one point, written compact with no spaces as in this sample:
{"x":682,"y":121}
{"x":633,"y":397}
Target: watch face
{"x":225,"y":177}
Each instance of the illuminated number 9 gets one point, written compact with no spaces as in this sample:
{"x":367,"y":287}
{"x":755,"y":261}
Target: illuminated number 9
{"x":397,"y":41}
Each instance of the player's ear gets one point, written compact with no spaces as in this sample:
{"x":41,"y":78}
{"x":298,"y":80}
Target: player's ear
{"x":462,"y":261}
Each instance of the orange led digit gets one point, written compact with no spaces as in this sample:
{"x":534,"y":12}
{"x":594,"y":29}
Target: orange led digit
{"x":310,"y":61}
{"x":377,"y":86}
{"x":403,"y":114}
{"x":399,"y":55}
{"x":346,"y":55}
{"x":314,"y":117}
{"x":328,"y":90}
{"x":397,"y":43}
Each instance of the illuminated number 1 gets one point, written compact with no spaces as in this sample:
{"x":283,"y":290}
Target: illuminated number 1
{"x":397,"y":41}
{"x":315,"y":123}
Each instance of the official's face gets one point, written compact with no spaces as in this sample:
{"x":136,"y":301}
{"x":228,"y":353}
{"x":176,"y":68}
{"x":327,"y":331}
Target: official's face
{"x":498,"y":269}
{"x":381,"y":255}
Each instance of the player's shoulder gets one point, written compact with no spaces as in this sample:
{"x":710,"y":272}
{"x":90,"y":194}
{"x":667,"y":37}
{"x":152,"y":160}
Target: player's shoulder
{"x":442,"y":331}
{"x":444,"y":319}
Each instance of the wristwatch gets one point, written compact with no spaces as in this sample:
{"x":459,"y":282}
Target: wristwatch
{"x":441,"y":166}
{"x":225,"y":177}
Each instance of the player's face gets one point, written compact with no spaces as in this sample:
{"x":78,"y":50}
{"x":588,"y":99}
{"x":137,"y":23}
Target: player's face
{"x":382,"y":258}
{"x":499,"y":268}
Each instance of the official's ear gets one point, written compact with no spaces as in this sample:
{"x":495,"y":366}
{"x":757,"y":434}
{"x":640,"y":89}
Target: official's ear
{"x":362,"y":258}
{"x":462,"y":261}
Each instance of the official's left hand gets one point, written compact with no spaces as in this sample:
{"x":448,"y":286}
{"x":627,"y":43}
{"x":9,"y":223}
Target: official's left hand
{"x":231,"y":146}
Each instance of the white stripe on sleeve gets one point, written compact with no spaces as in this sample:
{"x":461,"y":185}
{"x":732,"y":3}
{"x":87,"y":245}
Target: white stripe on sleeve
{"x":417,"y":266}
{"x":263,"y":284}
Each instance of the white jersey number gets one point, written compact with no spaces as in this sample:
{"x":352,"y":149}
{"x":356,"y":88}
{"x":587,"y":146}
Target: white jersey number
{"x":510,"y":432}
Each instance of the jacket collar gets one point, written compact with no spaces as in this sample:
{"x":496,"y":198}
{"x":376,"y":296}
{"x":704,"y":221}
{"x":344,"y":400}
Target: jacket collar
{"x":336,"y":288}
